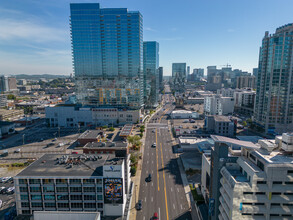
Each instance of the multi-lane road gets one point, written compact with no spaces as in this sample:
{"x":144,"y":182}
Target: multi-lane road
{"x":165,"y":194}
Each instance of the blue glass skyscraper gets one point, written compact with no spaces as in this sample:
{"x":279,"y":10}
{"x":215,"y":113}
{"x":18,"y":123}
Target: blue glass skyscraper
{"x":107,"y":50}
{"x":151,"y":73}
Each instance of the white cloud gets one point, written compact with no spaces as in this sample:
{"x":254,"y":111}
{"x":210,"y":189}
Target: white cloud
{"x":12,"y":30}
{"x":149,"y":29}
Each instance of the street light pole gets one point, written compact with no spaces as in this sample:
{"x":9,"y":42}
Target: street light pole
{"x":59,"y":131}
{"x":23,"y":139}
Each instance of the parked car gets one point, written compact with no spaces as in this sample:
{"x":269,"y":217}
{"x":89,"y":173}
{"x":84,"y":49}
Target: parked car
{"x":5,"y":179}
{"x":50,"y":144}
{"x":0,"y":203}
{"x":139,"y":205}
{"x":2,"y":189}
{"x":154,"y":145}
{"x":10,"y":190}
{"x":17,"y":150}
{"x":74,"y":152}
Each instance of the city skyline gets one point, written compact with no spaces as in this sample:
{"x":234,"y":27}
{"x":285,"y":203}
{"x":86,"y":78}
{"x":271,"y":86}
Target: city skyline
{"x":35,"y":35}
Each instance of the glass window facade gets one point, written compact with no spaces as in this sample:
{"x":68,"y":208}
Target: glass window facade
{"x":273,"y":108}
{"x":151,"y":73}
{"x":179,"y":76}
{"x":107,"y":55}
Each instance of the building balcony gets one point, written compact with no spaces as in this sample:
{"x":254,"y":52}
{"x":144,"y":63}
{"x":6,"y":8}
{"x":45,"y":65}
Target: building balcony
{"x":281,"y":209}
{"x":224,"y":205}
{"x":254,"y":209}
{"x":222,"y":214}
{"x":225,"y":196}
{"x":254,"y":198}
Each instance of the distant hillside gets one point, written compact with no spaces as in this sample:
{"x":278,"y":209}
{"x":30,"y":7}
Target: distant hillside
{"x":46,"y":76}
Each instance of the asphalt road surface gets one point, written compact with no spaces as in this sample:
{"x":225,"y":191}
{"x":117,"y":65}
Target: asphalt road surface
{"x":165,"y":194}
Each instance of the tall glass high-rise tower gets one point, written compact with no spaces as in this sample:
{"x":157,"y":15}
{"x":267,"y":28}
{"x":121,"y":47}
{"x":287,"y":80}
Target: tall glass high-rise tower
{"x":179,"y":76}
{"x":151,"y":72}
{"x":107,"y":47}
{"x":273,"y":108}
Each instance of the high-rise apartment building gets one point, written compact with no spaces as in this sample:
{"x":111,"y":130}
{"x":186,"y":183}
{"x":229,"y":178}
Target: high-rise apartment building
{"x":179,"y":76}
{"x":4,"y":84}
{"x":245,"y":82}
{"x":107,"y":49}
{"x":274,"y":91}
{"x":151,"y":72}
{"x":161,"y":74}
{"x":255,"y":71}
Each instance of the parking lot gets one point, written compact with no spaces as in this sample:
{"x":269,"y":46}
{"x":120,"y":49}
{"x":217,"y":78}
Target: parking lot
{"x":184,"y":123}
{"x":8,"y":200}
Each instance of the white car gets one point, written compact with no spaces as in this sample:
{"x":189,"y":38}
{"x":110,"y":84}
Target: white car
{"x":5,"y":179}
{"x":0,"y":204}
{"x":10,"y":190}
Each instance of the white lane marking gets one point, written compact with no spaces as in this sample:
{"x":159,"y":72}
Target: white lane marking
{"x":152,"y":162}
{"x":181,"y":206}
{"x":152,"y":184}
{"x":147,"y":162}
{"x":143,"y":217}
{"x":173,"y":206}
{"x":169,"y":176}
{"x":152,"y":154}
{"x":171,"y":189}
{"x":177,"y":190}
{"x":152,"y":199}
{"x":152,"y":171}
{"x":145,"y":199}
{"x":159,"y":213}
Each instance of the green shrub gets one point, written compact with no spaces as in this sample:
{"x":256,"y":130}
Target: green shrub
{"x":133,"y":170}
{"x":111,"y":129}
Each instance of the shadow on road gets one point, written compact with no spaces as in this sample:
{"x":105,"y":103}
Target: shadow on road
{"x":173,"y":169}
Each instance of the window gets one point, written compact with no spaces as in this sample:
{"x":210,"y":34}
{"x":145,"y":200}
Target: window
{"x":99,"y":197}
{"x":290,"y":172}
{"x":260,"y":165}
{"x":36,"y":197}
{"x":100,"y":205}
{"x":261,"y":182}
{"x":288,"y":182}
{"x":75,"y":181}
{"x":76,"y":205}
{"x":48,"y":189}
{"x":48,"y":181}
{"x":75,"y":189}
{"x":62,"y":197}
{"x":61,"y":181}
{"x":49,"y":197}
{"x":50,"y":205}
{"x":25,"y":204}
{"x":247,"y":193}
{"x":34,"y":181}
{"x":35,"y":189}
{"x":89,"y":197}
{"x":63,"y":205}
{"x":76,"y":197}
{"x":62,"y":189}
{"x":89,"y":189}
{"x":22,"y":181}
{"x":259,"y":203}
{"x":246,"y":203}
{"x":288,"y":194}
{"x":276,"y":193}
{"x":246,"y":214}
{"x":88,"y":181}
{"x":24,"y":197}
{"x":26,"y":212}
{"x":277,"y":182}
{"x":260,"y":193}
{"x":99,"y":189}
{"x":90,"y":205}
{"x":37,"y":204}
{"x":23,"y":189}
{"x":99,"y":181}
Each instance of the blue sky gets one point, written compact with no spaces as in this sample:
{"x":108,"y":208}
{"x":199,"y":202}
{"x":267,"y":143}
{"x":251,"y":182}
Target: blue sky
{"x":34,"y":34}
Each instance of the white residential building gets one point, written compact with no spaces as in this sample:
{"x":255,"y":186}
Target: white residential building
{"x":226,"y":92}
{"x":257,"y":184}
{"x":218,"y":105}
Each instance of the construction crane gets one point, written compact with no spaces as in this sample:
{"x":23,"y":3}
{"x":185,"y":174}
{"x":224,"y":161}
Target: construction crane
{"x":227,"y":65}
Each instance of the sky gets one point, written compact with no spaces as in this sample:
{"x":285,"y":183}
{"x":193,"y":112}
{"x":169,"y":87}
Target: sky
{"x":35,"y":34}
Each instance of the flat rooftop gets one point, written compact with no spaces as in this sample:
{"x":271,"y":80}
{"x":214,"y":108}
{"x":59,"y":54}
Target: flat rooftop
{"x":253,"y":139}
{"x":232,"y":141}
{"x":60,"y":165}
{"x":114,"y":145}
{"x":274,"y":157}
{"x":221,"y":118}
{"x":90,"y":134}
{"x":126,"y":130}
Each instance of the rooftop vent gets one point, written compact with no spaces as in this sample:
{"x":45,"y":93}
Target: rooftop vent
{"x":267,"y":144}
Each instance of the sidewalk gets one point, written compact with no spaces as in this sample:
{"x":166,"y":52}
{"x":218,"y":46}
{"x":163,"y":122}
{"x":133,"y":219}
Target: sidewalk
{"x":137,"y":177}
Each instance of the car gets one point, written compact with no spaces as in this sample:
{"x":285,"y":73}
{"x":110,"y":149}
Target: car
{"x":1,"y":203}
{"x":10,"y":190}
{"x":155,"y":216}
{"x":2,"y":189}
{"x":154,"y":145}
{"x":149,"y":178}
{"x":50,"y":144}
{"x":17,"y":150}
{"x":5,"y":179}
{"x":185,"y":121}
{"x":139,"y":205}
{"x":154,"y":130}
{"x":55,"y":139}
{"x":74,"y":152}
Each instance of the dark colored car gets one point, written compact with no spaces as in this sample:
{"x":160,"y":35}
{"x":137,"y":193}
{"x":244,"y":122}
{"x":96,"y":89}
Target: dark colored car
{"x":139,"y":205}
{"x":149,"y":178}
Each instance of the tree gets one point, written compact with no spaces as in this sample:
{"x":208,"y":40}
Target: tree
{"x":111,"y":129}
{"x":244,"y":123}
{"x":11,"y":97}
{"x":133,"y":170}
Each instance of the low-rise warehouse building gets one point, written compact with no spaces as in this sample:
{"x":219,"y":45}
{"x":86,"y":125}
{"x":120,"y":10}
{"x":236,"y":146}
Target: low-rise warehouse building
{"x":183,"y":114}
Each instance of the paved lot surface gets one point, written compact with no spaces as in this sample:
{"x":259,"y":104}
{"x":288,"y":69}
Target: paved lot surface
{"x":165,"y":193}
